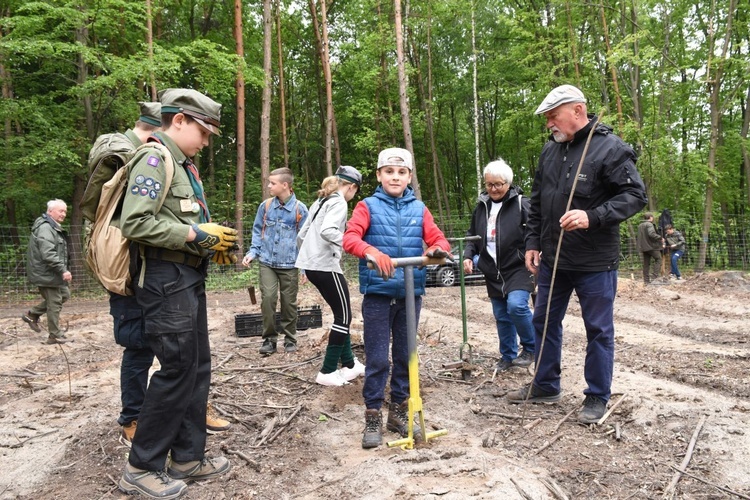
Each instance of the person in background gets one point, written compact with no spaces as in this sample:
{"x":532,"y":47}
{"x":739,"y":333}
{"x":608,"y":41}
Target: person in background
{"x":609,"y":190}
{"x":676,"y":244}
{"x":274,"y":244}
{"x":389,"y":224}
{"x":175,"y":244}
{"x":650,"y":245}
{"x":500,"y":219}
{"x":47,"y":261}
{"x":320,"y":251}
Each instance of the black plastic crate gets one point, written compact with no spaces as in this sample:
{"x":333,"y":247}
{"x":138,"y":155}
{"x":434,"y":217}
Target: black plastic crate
{"x":251,"y":325}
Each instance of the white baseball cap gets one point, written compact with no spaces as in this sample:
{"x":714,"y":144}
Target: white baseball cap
{"x":560,"y":95}
{"x":395,"y":157}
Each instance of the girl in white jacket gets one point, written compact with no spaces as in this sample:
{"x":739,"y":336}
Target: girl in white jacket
{"x":320,"y":253}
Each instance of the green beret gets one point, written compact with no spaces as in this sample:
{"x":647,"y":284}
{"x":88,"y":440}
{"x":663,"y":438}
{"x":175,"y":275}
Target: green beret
{"x":201,"y":108}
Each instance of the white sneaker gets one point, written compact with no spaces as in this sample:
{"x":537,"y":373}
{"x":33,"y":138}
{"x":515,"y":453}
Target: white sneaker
{"x":354,"y":372}
{"x":333,"y":379}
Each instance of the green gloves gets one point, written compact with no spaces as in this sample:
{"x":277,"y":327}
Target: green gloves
{"x":212,"y":236}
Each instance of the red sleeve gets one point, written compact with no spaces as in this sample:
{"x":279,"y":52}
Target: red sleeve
{"x":356,"y":228}
{"x":431,"y":233}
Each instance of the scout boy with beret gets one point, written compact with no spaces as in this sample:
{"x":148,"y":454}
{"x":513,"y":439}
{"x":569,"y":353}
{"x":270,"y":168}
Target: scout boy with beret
{"x":175,"y":243}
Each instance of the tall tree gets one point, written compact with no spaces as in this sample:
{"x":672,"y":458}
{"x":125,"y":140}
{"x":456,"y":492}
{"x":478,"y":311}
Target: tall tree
{"x":265,"y":115}
{"x":239,"y":188}
{"x":403,"y":93}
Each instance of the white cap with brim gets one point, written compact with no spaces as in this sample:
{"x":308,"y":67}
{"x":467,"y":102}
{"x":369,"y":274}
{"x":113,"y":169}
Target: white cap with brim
{"x":395,"y":157}
{"x":563,"y":94}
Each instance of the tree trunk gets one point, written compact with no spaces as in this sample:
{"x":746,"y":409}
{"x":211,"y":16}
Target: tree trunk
{"x":282,"y":91}
{"x":150,"y":43}
{"x":239,"y":189}
{"x":477,"y":159}
{"x":715,"y":111}
{"x":265,"y":114}
{"x":613,"y":71}
{"x":403,"y":96}
{"x":745,"y":154}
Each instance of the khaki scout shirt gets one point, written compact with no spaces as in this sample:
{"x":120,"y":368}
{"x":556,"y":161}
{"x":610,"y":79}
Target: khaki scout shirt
{"x":170,"y":226}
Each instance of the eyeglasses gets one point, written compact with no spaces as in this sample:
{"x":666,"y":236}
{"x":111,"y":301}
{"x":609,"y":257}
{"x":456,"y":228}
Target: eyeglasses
{"x":494,"y":185}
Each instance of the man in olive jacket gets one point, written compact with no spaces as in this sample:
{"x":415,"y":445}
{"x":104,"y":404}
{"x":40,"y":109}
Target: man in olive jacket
{"x":47,"y":263}
{"x":650,"y":245}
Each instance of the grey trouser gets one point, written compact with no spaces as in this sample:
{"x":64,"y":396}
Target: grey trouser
{"x":54,"y":298}
{"x":277,"y":284}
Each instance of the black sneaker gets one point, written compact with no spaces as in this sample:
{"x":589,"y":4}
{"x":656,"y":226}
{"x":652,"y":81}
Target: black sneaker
{"x":537,"y":395}
{"x":290,"y":347}
{"x":373,"y":434}
{"x":524,"y":359}
{"x":503,"y":365}
{"x":593,"y":410}
{"x":32,"y":321}
{"x":268,"y":347}
{"x":398,"y":420}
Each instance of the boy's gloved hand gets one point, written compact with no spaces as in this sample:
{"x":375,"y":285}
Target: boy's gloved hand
{"x":437,"y":252}
{"x":214,"y":237}
{"x":382,"y":262}
{"x":224,"y":258}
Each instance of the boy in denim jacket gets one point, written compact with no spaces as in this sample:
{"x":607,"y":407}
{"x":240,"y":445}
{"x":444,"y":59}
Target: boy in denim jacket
{"x":274,"y":242}
{"x":389,"y":224}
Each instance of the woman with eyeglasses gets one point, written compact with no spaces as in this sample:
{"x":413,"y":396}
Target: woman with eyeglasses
{"x":500,"y":219}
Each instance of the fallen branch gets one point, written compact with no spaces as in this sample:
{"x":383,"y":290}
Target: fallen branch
{"x":252,"y":463}
{"x":221,"y":363}
{"x":521,"y":492}
{"x":669,"y":490}
{"x":284,"y":424}
{"x":567,"y":415}
{"x":21,"y":443}
{"x":722,"y":488}
{"x":548,"y":444}
{"x":554,"y":488}
{"x":606,"y":415}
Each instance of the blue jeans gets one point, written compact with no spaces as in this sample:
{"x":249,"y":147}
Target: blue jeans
{"x":137,"y":357}
{"x":513,"y":318}
{"x":675,"y":257}
{"x":596,"y":292}
{"x":383,"y":316}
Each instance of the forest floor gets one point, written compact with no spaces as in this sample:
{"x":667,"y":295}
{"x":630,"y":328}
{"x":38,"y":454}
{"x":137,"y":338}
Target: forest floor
{"x":681,"y":374}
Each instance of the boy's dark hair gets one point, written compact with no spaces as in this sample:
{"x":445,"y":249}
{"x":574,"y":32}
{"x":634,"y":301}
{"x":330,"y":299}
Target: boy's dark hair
{"x":668,"y":226}
{"x":285,"y":174}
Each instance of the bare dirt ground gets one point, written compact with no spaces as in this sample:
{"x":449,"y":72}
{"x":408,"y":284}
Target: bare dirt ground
{"x":682,"y":357}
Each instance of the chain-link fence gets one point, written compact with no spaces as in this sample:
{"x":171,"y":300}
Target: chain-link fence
{"x":727,"y":248}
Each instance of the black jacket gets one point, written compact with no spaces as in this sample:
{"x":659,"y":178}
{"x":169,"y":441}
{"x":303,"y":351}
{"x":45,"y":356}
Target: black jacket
{"x":609,"y":189}
{"x":510,"y":272}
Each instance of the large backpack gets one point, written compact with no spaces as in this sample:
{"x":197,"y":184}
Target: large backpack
{"x":108,"y":251}
{"x":109,"y":152}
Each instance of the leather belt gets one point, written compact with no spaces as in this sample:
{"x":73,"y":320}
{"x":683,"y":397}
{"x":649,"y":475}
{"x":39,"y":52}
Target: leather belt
{"x":173,"y":256}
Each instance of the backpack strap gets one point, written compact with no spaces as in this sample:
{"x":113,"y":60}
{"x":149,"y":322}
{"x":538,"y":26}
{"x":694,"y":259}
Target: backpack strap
{"x":267,"y":203}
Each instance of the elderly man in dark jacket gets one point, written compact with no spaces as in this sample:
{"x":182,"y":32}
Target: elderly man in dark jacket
{"x":47,"y":268}
{"x":608,"y":191}
{"x":500,"y":219}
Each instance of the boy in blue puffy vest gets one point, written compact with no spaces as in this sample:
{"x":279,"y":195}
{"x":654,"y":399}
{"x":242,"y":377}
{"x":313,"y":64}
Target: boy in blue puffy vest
{"x":389,"y":224}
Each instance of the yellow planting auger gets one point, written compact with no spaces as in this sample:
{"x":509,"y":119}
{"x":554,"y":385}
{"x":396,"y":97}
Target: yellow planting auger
{"x":415,"y":399}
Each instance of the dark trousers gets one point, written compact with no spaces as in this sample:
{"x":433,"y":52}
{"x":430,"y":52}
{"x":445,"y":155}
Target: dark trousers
{"x":651,"y":265}
{"x":383,"y":317}
{"x":173,"y":416}
{"x":332,"y":286}
{"x":137,"y":357}
{"x":596,"y":294}
{"x":53,"y":299}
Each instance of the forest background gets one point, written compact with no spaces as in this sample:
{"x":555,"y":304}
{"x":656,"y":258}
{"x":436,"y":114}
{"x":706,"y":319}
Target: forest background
{"x":315,"y":85}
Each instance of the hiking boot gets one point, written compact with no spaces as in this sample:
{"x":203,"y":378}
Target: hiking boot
{"x":373,"y":434}
{"x":127,"y":433}
{"x":333,"y":379}
{"x":503,"y":365}
{"x":593,"y":410}
{"x":524,"y":359}
{"x":151,"y":484}
{"x":537,"y":395}
{"x":290,"y":347}
{"x":214,"y":423}
{"x":56,"y":339}
{"x":268,"y":347}
{"x":398,"y":420}
{"x":353,"y":372}
{"x":33,"y":321}
{"x":198,"y":470}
